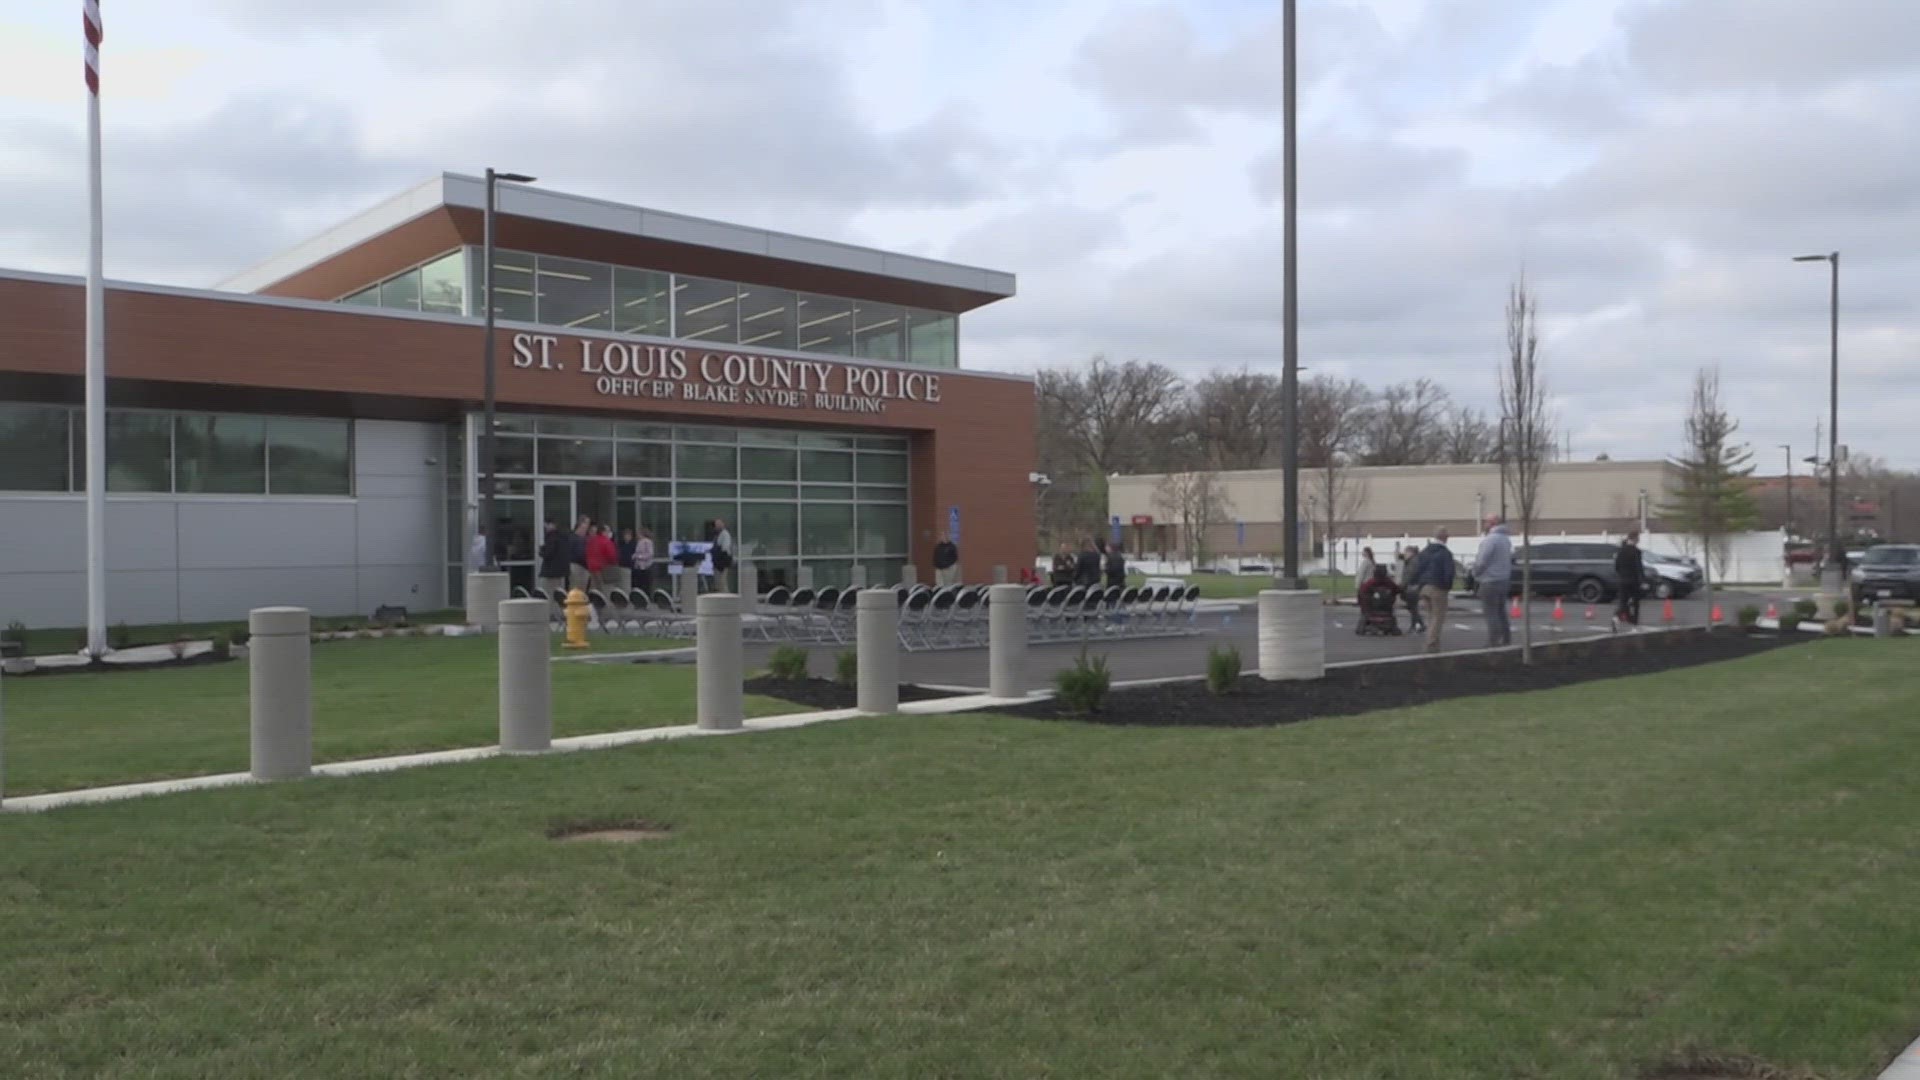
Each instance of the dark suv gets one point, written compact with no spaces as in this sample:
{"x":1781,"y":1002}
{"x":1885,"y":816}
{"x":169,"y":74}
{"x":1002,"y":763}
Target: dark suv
{"x":1887,"y":572}
{"x":1582,"y":571}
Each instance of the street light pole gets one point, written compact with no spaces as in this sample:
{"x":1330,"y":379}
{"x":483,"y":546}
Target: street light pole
{"x":487,"y":479}
{"x":1788,"y":449}
{"x":1836,"y":555}
{"x":1290,"y":310}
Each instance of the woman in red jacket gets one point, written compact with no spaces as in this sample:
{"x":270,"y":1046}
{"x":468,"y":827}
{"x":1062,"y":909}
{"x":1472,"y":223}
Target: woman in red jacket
{"x":602,"y":553}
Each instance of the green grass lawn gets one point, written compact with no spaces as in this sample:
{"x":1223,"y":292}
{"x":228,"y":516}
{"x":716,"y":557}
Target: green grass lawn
{"x":371,"y":698}
{"x":1573,"y":884}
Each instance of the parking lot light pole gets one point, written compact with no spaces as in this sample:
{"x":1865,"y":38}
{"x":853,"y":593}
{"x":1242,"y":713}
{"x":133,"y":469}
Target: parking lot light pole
{"x":487,"y":479}
{"x":1289,"y":313}
{"x":1788,"y":449}
{"x":1836,"y":555}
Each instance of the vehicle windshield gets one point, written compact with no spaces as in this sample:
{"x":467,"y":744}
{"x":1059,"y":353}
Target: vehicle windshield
{"x":1891,"y":556}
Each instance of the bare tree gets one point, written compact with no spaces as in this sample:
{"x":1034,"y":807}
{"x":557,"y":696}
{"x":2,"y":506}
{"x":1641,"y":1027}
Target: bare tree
{"x":1527,"y":433}
{"x":1235,"y":420}
{"x":1712,"y":498}
{"x":1406,"y":425}
{"x":1331,"y":413}
{"x":1197,"y":501}
{"x":1469,"y":439}
{"x":1341,"y":495}
{"x":1091,"y":423}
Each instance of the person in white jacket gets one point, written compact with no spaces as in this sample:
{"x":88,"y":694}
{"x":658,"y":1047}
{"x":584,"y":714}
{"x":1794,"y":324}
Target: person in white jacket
{"x":1493,"y":577}
{"x":477,"y":551}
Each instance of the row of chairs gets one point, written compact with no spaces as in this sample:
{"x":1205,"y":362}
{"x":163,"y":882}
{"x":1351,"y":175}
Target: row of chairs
{"x":614,"y":611}
{"x":1061,"y":612}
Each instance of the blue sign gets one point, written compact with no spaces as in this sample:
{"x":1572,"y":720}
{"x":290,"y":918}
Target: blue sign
{"x":953,"y":524}
{"x":1116,"y":530}
{"x":1240,"y":533}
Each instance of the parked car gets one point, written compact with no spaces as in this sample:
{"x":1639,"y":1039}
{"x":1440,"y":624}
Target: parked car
{"x":1887,"y":572}
{"x":1677,"y":576}
{"x":1582,"y":571}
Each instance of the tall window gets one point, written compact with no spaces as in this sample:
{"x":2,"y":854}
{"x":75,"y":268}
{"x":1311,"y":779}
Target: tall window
{"x":707,"y":311}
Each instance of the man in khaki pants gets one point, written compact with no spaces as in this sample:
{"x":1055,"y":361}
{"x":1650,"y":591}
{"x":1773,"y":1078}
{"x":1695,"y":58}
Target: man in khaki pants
{"x":1433,"y":576}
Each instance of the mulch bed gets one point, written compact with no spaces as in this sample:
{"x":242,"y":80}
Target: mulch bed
{"x":1348,"y":691}
{"x":819,"y":693}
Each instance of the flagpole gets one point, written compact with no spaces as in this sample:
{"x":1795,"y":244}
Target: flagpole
{"x":96,"y":386}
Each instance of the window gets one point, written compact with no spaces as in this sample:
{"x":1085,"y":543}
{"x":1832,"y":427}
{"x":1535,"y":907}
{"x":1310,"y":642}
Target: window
{"x":706,"y":463}
{"x":878,"y":330}
{"x":401,"y":291}
{"x":511,"y":455}
{"x":367,"y":297}
{"x":644,"y":459}
{"x":573,"y":293}
{"x":932,"y":339}
{"x":769,"y":530}
{"x":826,"y":529}
{"x":640,"y":304}
{"x":883,"y":530}
{"x":310,"y":456}
{"x":883,"y":468}
{"x":223,"y":455}
{"x":826,"y":466}
{"x":575,"y":425}
{"x":139,"y":451}
{"x":767,"y":317}
{"x":33,"y":448}
{"x":758,"y":463}
{"x":706,"y":310}
{"x":512,"y":285}
{"x":826,"y":325}
{"x":575,"y":457}
{"x":443,"y":284}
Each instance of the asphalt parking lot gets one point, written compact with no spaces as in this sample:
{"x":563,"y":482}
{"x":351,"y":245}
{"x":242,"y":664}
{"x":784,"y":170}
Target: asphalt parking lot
{"x":1233,"y":623}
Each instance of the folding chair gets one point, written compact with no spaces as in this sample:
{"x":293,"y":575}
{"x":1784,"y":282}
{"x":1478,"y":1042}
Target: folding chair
{"x":913,"y":619}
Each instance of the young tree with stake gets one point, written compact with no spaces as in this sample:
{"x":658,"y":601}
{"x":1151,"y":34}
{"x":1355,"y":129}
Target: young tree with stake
{"x":1528,"y":442}
{"x":1712,"y":498}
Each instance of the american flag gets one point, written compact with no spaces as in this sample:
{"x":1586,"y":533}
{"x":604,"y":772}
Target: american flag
{"x":92,"y":16}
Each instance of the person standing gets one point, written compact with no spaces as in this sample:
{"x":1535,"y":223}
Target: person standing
{"x":577,"y":554}
{"x":1086,"y":567}
{"x":1630,"y":566}
{"x":721,"y":554}
{"x":1116,"y":567}
{"x":620,"y":574}
{"x":1409,"y":592}
{"x":1364,"y":574}
{"x":1493,"y":575}
{"x":1433,"y":575}
{"x":946,"y":562}
{"x":643,"y":560}
{"x":555,"y":557}
{"x":602,"y":555}
{"x":1063,"y":565}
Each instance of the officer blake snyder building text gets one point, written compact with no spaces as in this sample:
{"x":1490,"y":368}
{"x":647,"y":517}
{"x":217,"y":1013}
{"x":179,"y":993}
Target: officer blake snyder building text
{"x":663,"y":372}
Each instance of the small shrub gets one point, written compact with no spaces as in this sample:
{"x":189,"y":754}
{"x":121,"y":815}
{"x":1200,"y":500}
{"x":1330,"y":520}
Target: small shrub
{"x":846,"y":668}
{"x":1083,"y":687}
{"x":240,"y":634}
{"x":15,"y":632}
{"x":1842,"y":609}
{"x":178,"y":647}
{"x":1749,"y":617}
{"x":1223,"y":668}
{"x":119,"y":636}
{"x":1789,"y":621}
{"x":223,"y":646}
{"x":788,"y":662}
{"x":1808,"y":610}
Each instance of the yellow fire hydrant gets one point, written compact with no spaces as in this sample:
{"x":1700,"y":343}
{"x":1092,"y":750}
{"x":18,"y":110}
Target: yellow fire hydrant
{"x":578,"y":612}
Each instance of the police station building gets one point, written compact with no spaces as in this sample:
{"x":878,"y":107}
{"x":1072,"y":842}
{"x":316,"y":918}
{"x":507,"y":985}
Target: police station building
{"x":308,"y":434}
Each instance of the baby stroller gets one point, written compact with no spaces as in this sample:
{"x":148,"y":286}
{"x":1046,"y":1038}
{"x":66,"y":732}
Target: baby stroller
{"x":1377,"y":601}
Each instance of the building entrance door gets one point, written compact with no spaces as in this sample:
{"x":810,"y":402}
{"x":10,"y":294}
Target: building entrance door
{"x":556,"y":504}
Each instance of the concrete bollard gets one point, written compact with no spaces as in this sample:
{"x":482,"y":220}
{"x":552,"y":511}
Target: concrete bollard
{"x":1006,"y":641}
{"x":877,"y":612}
{"x":909,"y":575}
{"x":1882,"y":621}
{"x":857,"y":577}
{"x":280,"y":692}
{"x":485,"y":590}
{"x":526,"y":678}
{"x":717,"y":658}
{"x":803,"y":578}
{"x":1000,"y":575}
{"x":689,"y":589}
{"x":1292,"y":635}
{"x":749,"y":576}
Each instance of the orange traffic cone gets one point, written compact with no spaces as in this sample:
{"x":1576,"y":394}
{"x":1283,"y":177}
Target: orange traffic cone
{"x":1514,"y":612}
{"x":1714,"y":616}
{"x":1559,"y":613}
{"x":1666,"y":611}
{"x":1589,"y":612}
{"x":1773,"y":610}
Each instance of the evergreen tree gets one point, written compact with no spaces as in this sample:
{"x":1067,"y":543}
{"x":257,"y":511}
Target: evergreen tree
{"x":1713,"y":497}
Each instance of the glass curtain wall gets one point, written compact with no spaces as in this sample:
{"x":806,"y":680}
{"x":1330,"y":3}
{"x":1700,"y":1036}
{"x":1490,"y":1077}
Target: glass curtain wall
{"x":790,"y":498}
{"x":43,"y":448}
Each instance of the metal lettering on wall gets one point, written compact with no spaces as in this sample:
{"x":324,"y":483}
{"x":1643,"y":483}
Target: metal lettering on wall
{"x":670,"y":373}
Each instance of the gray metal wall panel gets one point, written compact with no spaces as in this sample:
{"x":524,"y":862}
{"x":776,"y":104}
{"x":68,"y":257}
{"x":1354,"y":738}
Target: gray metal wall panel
{"x":266,"y":534}
{"x":420,"y":486}
{"x":396,"y":448}
{"x":207,"y":595}
{"x":396,"y":532}
{"x":136,"y":597}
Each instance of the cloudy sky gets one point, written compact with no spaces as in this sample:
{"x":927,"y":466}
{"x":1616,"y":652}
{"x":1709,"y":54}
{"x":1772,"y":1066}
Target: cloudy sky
{"x":1651,"y":164}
